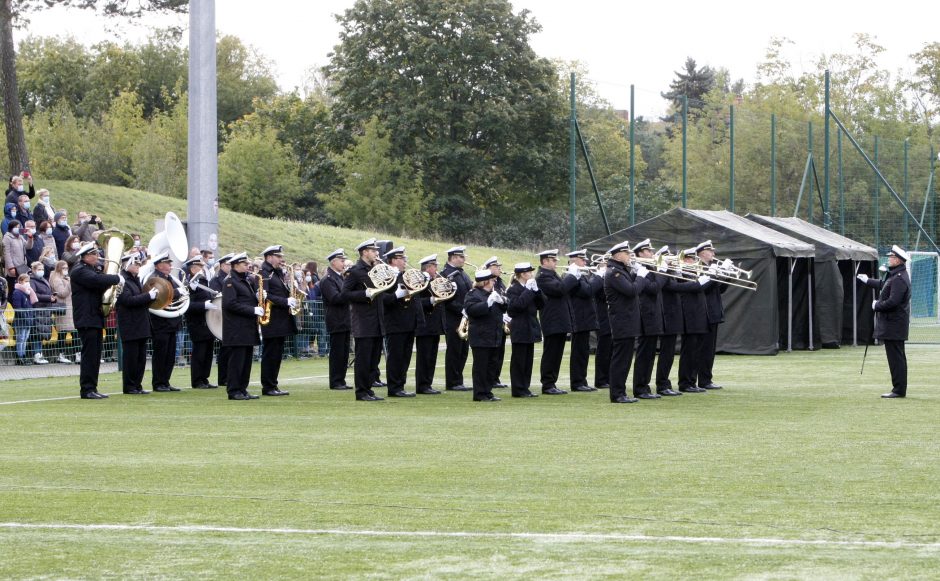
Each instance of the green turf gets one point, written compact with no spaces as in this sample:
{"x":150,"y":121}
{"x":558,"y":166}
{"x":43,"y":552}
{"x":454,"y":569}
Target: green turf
{"x":798,"y":447}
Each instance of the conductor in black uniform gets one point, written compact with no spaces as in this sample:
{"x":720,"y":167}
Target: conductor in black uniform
{"x":622,"y":286}
{"x":402,"y":315}
{"x":200,"y":303}
{"x":163,"y":330}
{"x":429,"y":331}
{"x":496,"y":267}
{"x":282,"y":323}
{"x":457,"y":349}
{"x":133,"y":321}
{"x":583,"y":321}
{"x":554,"y":317}
{"x":524,"y":300}
{"x":240,"y":312}
{"x":88,"y":288}
{"x":893,"y":316}
{"x":217,"y":284}
{"x":695,"y":327}
{"x":337,"y":317}
{"x":367,"y":318}
{"x":485,"y":310}
{"x":651,"y":325}
{"x":716,"y":315}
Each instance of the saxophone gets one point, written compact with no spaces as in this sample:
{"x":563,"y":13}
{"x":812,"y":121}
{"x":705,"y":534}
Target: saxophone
{"x":263,"y":303}
{"x":295,"y":292}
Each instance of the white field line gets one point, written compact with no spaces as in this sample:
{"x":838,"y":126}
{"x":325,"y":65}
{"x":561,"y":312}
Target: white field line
{"x":574,"y":537}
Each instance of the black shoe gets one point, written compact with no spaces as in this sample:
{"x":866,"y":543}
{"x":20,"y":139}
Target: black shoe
{"x":428,"y":391}
{"x":340,"y":387}
{"x":379,"y":383}
{"x":101,"y":395}
{"x":458,"y":388}
{"x":526,"y":394}
{"x":275,"y":392}
{"x":891,"y":395}
{"x":205,"y":386}
{"x":401,"y":393}
{"x":692,"y":390}
{"x":93,"y":395}
{"x":583,"y":388}
{"x":553,"y":391}
{"x":162,"y":388}
{"x":648,"y":396}
{"x":135,"y":392}
{"x":242,"y":396}
{"x":624,"y":399}
{"x":489,"y":397}
{"x":500,"y":385}
{"x":604,"y":386}
{"x":669,"y":392}
{"x":710,"y":386}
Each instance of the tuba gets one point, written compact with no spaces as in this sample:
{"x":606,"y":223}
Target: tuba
{"x":114,"y":243}
{"x":173,"y":240}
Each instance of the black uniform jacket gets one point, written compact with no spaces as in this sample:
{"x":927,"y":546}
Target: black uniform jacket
{"x":673,"y":322}
{"x":694,"y":315}
{"x":893,"y":309}
{"x":486,"y":322}
{"x":133,"y":318}
{"x":366,"y":317}
{"x":600,"y":302}
{"x":433,"y":323}
{"x":453,"y":309}
{"x":583,"y":307}
{"x":622,"y":288}
{"x":555,"y":315}
{"x":337,"y":307}
{"x":218,"y":281}
{"x":651,"y":304}
{"x":524,"y":305}
{"x":401,"y":315}
{"x":88,"y":287}
{"x":713,"y":306}
{"x":282,"y":323}
{"x":160,"y":325}
{"x":239,"y":322}
{"x":196,"y":314}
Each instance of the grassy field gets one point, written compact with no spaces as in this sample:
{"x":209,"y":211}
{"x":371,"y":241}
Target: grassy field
{"x":797,"y":470}
{"x":136,"y":211}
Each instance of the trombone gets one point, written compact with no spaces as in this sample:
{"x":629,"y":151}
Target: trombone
{"x":725,"y":272}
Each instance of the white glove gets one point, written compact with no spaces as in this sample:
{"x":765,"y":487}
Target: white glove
{"x":506,"y":318}
{"x":401,"y":292}
{"x":491,"y":299}
{"x":573,"y":270}
{"x":121,"y":277}
{"x":291,"y":302}
{"x":395,"y":269}
{"x":713,"y":269}
{"x":532,"y":285}
{"x":427,"y":276}
{"x":602,"y":271}
{"x":642,"y":271}
{"x":663,"y":267}
{"x":873,"y":303}
{"x":194,"y":284}
{"x":264,"y":294}
{"x":152,"y":293}
{"x":726,"y":264}
{"x":863,"y":278}
{"x":259,"y":311}
{"x":434,"y":301}
{"x":211,"y":307}
{"x":704,"y":279}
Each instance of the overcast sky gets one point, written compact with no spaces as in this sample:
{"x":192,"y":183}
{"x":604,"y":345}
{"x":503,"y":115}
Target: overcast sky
{"x":621,"y":43}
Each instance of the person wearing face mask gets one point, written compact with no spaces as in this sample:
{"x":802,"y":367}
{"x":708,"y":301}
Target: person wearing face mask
{"x":15,"y":246}
{"x":23,"y":212}
{"x":87,"y":225}
{"x":29,"y":231}
{"x":71,"y":246}
{"x":44,"y":210}
{"x":19,"y":185}
{"x":62,"y":288}
{"x":60,"y":231}
{"x":22,"y":299}
{"x":139,"y":248}
{"x":9,"y":214}
{"x":44,"y":234}
{"x":46,"y":301}
{"x":315,"y":326}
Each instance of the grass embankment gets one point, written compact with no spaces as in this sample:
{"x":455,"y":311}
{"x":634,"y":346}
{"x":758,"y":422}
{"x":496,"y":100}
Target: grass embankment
{"x":136,"y":211}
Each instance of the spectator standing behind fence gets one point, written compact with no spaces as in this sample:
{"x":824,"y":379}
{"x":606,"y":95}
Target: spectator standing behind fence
{"x":87,"y":226}
{"x":35,"y":251}
{"x":72,"y":246}
{"x":61,"y":286}
{"x":317,"y":315}
{"x":46,"y":301}
{"x":9,"y":214}
{"x":48,"y":241}
{"x":139,"y":248}
{"x":18,"y":185}
{"x":23,"y":213}
{"x":43,"y":210}
{"x":61,"y":231}
{"x":14,"y":254}
{"x":22,"y":301}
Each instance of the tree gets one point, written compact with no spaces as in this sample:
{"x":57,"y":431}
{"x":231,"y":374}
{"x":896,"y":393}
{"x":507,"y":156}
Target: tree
{"x":15,"y":10}
{"x":258,"y":174}
{"x":694,"y":83}
{"x":243,"y":76}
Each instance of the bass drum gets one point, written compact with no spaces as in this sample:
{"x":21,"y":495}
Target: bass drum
{"x":214,"y":318}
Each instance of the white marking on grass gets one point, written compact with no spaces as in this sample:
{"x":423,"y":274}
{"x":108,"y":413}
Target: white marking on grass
{"x":38,"y":400}
{"x":574,"y":537}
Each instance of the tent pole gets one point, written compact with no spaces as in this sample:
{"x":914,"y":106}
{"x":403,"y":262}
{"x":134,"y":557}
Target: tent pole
{"x":790,"y":308}
{"x":809,"y":287}
{"x":855,"y":266}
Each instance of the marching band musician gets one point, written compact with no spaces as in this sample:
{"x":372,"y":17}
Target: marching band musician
{"x":673,"y":324}
{"x":402,"y":316}
{"x":429,"y":331}
{"x":716,"y":315}
{"x":622,"y":287}
{"x":485,"y":309}
{"x":217,"y":283}
{"x":282,"y":323}
{"x":200,"y":302}
{"x":455,"y":358}
{"x":583,"y":321}
{"x":88,"y":288}
{"x":893,"y":316}
{"x":554,"y":317}
{"x":496,"y":267}
{"x":366,"y":319}
{"x":524,"y":300}
{"x":695,"y":327}
{"x":133,"y":321}
{"x":163,"y":331}
{"x":240,"y":312}
{"x":602,"y":352}
{"x":651,"y":325}
{"x":337,"y":317}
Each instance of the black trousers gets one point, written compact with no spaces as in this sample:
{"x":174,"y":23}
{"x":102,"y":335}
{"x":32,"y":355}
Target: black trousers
{"x":580,"y":354}
{"x":272,"y":353}
{"x":368,"y":352}
{"x":667,"y":355}
{"x":602,"y":361}
{"x":339,"y":358}
{"x":553,"y":349}
{"x":455,"y":359}
{"x":688,"y":359}
{"x":484,"y":360}
{"x":91,"y":358}
{"x":239,"y":368}
{"x":426,"y":359}
{"x":643,"y":366}
{"x":164,"y":358}
{"x":520,"y":367}
{"x":134,"y":362}
{"x":225,"y":354}
{"x":897,"y":363}
{"x":200,"y":364}
{"x":621,"y":357}
{"x":398,"y":359}
{"x":706,"y":357}
{"x":500,"y":359}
